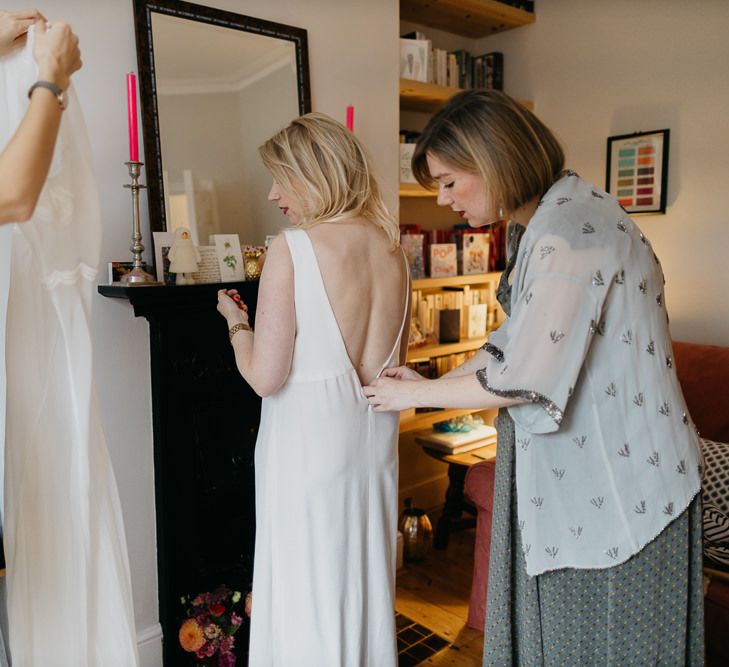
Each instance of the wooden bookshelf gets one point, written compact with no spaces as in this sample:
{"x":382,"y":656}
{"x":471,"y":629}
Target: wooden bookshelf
{"x":469,"y":18}
{"x":425,"y":419}
{"x":415,"y":190}
{"x":425,"y":352}
{"x":456,"y":281}
{"x":422,"y":96}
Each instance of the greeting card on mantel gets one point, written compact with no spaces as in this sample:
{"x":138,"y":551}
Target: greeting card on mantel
{"x":230,"y":259}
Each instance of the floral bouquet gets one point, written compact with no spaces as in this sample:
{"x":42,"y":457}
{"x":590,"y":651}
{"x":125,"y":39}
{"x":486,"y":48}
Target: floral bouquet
{"x":210,"y":625}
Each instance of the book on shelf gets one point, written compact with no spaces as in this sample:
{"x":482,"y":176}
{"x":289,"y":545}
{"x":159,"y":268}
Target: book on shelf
{"x":449,"y":325}
{"x":495,"y":70}
{"x":426,"y":308}
{"x":475,"y":257}
{"x":412,"y":245}
{"x":443,"y":260}
{"x":497,"y":251}
{"x":464,"y":68}
{"x":488,"y":70}
{"x":406,"y":158}
{"x":476,"y":317}
{"x":420,"y":61}
{"x":458,"y":442}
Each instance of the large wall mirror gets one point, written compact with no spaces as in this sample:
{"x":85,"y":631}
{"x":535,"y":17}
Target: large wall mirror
{"x":214,"y":85}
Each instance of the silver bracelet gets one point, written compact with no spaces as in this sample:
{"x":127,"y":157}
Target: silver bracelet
{"x":241,"y":326}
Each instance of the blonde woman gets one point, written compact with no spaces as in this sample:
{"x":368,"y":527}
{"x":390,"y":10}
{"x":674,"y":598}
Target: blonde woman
{"x":596,"y":539}
{"x":331,"y":316}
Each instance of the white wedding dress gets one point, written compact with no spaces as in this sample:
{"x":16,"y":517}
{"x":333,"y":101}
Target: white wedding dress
{"x":69,"y":592}
{"x":326,"y":501}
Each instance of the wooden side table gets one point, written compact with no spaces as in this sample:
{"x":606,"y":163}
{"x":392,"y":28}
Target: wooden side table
{"x":455,"y":500}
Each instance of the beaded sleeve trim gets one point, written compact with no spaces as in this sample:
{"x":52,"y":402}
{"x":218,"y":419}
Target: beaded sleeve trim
{"x":494,"y":351}
{"x":527,"y":395}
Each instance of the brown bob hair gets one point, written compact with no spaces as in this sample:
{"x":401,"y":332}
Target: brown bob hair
{"x":486,"y":132}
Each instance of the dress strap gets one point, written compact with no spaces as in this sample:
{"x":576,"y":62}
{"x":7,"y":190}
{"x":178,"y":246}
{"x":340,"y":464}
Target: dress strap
{"x":405,"y":312}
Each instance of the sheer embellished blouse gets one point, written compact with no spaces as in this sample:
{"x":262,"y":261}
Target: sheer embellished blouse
{"x":606,"y":455}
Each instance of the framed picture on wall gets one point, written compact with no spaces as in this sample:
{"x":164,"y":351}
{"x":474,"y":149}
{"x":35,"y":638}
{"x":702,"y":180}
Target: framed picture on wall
{"x":637,"y":170}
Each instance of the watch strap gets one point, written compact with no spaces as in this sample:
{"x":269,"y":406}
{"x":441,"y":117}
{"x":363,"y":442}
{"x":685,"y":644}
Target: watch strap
{"x":241,"y":326}
{"x":55,"y":89}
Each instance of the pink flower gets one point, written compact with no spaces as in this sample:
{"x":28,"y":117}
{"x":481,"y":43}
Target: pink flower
{"x":227,"y":644}
{"x":226,"y":660}
{"x":235,"y":619}
{"x":206,"y":651}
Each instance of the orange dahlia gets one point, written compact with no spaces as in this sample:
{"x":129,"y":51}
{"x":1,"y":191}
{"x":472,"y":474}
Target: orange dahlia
{"x":191,"y":635}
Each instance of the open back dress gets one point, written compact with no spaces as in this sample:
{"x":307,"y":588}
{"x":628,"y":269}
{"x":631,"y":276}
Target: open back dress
{"x":326,"y":500}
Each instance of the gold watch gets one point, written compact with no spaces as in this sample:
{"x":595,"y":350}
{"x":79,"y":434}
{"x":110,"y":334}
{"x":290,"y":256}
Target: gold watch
{"x":241,"y":326}
{"x":56,"y":90}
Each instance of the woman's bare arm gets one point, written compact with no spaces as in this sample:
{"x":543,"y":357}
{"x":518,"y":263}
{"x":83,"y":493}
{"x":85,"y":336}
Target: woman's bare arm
{"x":264,"y":358}
{"x":25,"y":162}
{"x":388,"y":394}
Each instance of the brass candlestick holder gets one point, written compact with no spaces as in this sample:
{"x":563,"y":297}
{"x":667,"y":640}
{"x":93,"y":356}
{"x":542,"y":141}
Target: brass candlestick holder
{"x":137,"y":276}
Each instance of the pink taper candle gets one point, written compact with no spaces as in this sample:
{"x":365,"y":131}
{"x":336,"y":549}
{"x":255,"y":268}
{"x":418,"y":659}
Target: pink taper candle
{"x":132,"y":117}
{"x":350,"y":118}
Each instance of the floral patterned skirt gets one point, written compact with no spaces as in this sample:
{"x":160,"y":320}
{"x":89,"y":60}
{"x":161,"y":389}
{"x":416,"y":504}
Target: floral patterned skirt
{"x":646,"y":611}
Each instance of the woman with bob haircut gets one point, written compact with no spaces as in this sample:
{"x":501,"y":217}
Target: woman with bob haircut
{"x":596,"y":539}
{"x":331,"y":315}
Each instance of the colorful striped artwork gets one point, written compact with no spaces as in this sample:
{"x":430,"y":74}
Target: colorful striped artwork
{"x":636,"y":171}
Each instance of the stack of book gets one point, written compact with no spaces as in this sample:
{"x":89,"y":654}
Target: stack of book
{"x":456,"y":443}
{"x":420,"y":61}
{"x":477,"y":308}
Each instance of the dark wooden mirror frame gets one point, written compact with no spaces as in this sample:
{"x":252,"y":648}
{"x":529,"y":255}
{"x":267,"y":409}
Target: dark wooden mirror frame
{"x":143,"y":10}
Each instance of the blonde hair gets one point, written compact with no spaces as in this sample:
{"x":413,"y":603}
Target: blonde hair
{"x":326,"y":168}
{"x":488,"y":133}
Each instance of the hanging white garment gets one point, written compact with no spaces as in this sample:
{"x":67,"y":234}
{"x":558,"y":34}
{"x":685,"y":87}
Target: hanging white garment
{"x":69,"y":592}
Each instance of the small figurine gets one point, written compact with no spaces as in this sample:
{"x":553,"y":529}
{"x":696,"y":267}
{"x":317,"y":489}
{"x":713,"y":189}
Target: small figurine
{"x":184,"y":257}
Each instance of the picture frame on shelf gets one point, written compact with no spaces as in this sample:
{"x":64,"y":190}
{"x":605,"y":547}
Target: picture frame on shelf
{"x":637,"y":170}
{"x":117,"y":270}
{"x":414,"y":59}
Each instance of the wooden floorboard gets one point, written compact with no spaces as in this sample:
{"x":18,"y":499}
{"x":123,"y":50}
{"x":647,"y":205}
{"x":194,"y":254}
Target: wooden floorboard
{"x":435,"y":593}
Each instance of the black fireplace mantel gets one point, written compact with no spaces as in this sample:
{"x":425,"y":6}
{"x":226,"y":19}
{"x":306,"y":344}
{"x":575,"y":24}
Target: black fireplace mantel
{"x":205,"y":421}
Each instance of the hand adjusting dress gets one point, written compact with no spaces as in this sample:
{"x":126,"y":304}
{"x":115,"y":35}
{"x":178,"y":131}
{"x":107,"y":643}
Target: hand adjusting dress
{"x":326,"y":501}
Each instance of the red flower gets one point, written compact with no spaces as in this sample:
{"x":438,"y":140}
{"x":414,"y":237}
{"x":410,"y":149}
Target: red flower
{"x":217,"y":609}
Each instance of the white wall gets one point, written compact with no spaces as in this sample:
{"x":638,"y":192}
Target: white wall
{"x":353,"y":54}
{"x":596,"y":69}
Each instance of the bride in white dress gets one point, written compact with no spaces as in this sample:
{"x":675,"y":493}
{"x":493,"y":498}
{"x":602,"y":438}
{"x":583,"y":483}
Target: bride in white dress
{"x":332,"y":312}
